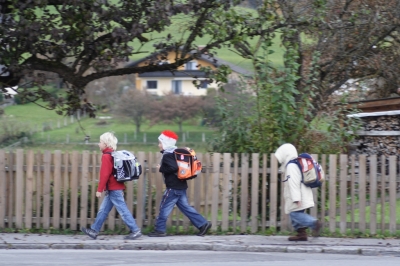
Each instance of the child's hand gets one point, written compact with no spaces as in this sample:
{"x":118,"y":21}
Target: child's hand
{"x":98,"y":194}
{"x":158,"y":166}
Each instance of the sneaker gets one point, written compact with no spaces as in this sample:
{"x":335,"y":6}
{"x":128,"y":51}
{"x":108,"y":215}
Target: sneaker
{"x":90,"y":232}
{"x":133,"y":235}
{"x":204,"y":229}
{"x":317,"y":228}
{"x":157,"y":234}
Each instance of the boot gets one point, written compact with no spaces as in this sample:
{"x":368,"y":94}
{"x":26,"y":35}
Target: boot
{"x":301,"y":235}
{"x":317,"y":228}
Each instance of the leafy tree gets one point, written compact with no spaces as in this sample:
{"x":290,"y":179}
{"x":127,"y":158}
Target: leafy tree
{"x":83,"y":41}
{"x":134,"y":105}
{"x":280,"y":112}
{"x":334,"y":41}
{"x":175,"y":109}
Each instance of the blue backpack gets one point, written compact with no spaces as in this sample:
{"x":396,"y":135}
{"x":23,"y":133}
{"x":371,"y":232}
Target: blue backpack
{"x":312,"y":174}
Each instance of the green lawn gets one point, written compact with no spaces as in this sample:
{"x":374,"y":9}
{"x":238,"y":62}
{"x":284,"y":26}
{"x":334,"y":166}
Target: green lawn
{"x":59,"y":130}
{"x":378,"y":213}
{"x":224,"y":53}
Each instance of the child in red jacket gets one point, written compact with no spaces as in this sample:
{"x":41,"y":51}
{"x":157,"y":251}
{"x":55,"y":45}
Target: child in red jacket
{"x":114,"y":192}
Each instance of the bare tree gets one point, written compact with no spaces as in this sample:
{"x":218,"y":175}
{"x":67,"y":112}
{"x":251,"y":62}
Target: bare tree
{"x":135,"y":106}
{"x":176,"y":109}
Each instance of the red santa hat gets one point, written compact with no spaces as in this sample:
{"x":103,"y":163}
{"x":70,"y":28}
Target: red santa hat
{"x":168,"y":138}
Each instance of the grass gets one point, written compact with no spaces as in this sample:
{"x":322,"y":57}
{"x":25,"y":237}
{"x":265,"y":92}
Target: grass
{"x":378,"y":213}
{"x":180,"y":23}
{"x":32,"y":118}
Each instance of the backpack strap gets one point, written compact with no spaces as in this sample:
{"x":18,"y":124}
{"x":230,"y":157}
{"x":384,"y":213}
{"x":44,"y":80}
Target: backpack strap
{"x":295,"y":161}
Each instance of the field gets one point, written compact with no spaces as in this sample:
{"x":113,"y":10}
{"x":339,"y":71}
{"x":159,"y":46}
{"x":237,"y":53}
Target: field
{"x":47,"y":130}
{"x":225,"y":53}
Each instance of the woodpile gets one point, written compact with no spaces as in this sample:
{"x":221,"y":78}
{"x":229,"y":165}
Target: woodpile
{"x":380,"y":135}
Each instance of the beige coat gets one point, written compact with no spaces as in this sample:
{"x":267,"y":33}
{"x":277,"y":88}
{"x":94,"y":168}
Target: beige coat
{"x":294,"y":190}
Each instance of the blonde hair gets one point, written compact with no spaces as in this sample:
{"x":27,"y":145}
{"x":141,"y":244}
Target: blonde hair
{"x":110,"y":140}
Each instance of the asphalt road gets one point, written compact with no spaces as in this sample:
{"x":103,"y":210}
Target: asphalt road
{"x":22,"y":257}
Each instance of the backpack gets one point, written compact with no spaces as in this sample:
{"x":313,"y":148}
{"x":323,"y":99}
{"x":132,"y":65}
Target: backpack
{"x":188,"y":164}
{"x":126,"y":166}
{"x":312,"y":174}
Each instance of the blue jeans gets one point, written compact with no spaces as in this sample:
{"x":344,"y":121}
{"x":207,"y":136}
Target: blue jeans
{"x":168,"y":201}
{"x":114,"y":198}
{"x":301,"y":219}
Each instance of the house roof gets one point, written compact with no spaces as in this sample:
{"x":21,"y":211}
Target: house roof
{"x":178,"y":74}
{"x":212,"y":60}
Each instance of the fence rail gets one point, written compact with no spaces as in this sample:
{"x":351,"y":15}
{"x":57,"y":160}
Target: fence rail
{"x":236,"y":192}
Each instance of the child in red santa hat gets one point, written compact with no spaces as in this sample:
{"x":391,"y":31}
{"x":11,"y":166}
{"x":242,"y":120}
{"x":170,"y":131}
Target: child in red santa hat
{"x":175,"y":192}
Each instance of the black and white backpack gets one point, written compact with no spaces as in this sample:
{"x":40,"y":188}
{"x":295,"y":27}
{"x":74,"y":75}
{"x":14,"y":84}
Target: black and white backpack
{"x":126,"y":166}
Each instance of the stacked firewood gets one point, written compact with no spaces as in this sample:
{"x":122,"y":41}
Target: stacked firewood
{"x":383,"y":144}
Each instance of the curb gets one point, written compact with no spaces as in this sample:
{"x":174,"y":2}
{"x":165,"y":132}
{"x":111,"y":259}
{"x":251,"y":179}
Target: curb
{"x":351,"y":250}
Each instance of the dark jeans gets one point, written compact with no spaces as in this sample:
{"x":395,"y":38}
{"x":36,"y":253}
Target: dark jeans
{"x":178,"y":197}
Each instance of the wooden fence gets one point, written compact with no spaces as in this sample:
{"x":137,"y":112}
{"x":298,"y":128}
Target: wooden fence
{"x":57,"y":190}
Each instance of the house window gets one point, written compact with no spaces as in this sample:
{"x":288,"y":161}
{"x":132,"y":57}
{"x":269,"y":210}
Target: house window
{"x":152,"y":84}
{"x":191,"y":65}
{"x":204,"y":84}
{"x":177,"y":86}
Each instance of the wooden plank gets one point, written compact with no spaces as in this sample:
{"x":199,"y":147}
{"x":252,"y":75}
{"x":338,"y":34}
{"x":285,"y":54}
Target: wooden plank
{"x":273,"y":192}
{"x":149,"y":182}
{"x":323,"y":191}
{"x":66,"y":189}
{"x":264,"y":194}
{"x":255,"y":177}
{"x":244,"y":184}
{"x":197,"y":187}
{"x":74,"y":190}
{"x":10,"y":189}
{"x":39,"y":182}
{"x":57,"y":189}
{"x":343,"y":192}
{"x":226,"y":176}
{"x":46,"y":188}
{"x":140,"y":208}
{"x":373,"y":186}
{"x":314,"y":211}
{"x":159,"y":184}
{"x":19,"y":188}
{"x":284,"y":218}
{"x":84,"y":188}
{"x":392,"y":193}
{"x":3,"y":185}
{"x":93,"y":184}
{"x":129,"y":191}
{"x":383,"y":187}
{"x":215,"y":191}
{"x":353,"y":191}
{"x":362,"y":183}
{"x":377,"y":133}
{"x":30,"y":160}
{"x":332,"y":192}
{"x":235,"y":191}
{"x":207,"y":186}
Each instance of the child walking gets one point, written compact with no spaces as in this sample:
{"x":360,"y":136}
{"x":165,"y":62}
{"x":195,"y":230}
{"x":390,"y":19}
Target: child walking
{"x":175,"y":192}
{"x":114,"y":192}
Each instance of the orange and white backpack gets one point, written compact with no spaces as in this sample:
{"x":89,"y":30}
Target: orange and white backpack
{"x":188,"y":164}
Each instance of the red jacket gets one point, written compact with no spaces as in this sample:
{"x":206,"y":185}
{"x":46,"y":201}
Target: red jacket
{"x":107,"y":180}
